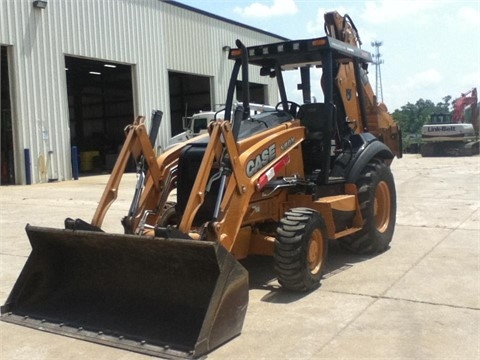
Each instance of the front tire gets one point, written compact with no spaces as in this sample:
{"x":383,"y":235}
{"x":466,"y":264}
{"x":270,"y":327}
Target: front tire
{"x":169,"y":215}
{"x":300,"y":249}
{"x":378,"y":205}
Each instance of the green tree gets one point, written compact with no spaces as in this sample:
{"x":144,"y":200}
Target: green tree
{"x":411,"y":117}
{"x":447,"y":103}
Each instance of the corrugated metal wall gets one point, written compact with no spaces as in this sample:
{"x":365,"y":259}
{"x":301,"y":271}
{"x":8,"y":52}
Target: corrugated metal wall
{"x":153,"y":36}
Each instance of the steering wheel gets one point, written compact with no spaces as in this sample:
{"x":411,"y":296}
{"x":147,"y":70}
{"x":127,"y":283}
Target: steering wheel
{"x":293,"y":107}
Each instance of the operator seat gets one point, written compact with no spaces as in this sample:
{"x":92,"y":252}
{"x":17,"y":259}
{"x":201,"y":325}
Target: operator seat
{"x":314,"y":117}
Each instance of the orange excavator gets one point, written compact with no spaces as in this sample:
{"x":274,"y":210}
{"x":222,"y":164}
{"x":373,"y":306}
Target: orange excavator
{"x":280,"y":183}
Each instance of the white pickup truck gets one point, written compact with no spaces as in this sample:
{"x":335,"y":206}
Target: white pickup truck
{"x":197,"y":123}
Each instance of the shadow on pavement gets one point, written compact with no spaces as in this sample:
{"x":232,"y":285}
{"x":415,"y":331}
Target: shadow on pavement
{"x":262,"y":275}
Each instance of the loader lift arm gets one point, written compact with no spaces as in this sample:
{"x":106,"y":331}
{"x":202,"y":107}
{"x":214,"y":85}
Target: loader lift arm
{"x":137,"y":144}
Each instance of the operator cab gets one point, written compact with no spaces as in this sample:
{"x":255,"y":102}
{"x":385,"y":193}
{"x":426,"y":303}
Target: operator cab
{"x":328,"y":131}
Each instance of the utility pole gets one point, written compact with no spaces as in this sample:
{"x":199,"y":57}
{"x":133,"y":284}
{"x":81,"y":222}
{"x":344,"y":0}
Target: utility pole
{"x":378,"y":74}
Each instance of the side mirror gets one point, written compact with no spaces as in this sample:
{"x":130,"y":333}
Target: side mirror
{"x":267,"y":71}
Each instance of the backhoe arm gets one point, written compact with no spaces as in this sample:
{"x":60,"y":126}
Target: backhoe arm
{"x":351,"y":79}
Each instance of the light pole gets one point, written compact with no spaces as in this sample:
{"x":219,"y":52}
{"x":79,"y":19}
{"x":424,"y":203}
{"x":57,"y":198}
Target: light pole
{"x":378,"y":74}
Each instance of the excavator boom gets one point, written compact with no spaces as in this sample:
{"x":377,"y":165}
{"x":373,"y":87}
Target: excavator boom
{"x":468,"y":99}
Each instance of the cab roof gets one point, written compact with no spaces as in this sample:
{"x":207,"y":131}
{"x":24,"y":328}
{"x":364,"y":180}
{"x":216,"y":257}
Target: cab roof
{"x":298,"y":53}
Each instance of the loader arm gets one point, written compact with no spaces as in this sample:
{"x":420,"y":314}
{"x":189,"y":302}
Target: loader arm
{"x":243,"y":182}
{"x":237,"y":207}
{"x":214,"y":151}
{"x":136,"y":143}
{"x":160,"y":179}
{"x":197,"y":194}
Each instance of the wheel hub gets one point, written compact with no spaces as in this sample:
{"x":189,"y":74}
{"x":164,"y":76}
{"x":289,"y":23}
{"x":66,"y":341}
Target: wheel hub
{"x":382,"y":206}
{"x":315,"y":251}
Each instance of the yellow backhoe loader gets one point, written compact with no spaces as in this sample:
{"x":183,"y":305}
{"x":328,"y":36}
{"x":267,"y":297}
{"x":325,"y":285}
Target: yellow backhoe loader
{"x":279,"y":183}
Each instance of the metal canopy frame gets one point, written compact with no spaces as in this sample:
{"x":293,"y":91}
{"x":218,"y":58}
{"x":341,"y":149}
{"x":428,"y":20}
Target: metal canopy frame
{"x":299,"y":53}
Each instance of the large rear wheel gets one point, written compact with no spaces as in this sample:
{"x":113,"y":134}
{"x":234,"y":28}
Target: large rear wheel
{"x":300,"y":249}
{"x":377,"y":198}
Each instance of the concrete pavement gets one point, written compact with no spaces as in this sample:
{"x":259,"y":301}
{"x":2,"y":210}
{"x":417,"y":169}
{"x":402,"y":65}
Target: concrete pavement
{"x":418,"y":300}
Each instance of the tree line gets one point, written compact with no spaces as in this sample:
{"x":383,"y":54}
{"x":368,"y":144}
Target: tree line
{"x":411,"y":117}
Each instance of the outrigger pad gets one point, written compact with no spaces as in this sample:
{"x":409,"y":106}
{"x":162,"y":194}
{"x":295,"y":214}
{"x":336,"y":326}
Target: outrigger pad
{"x":168,"y":297}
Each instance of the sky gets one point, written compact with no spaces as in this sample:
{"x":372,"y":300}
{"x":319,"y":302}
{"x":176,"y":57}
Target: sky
{"x":430,"y":49}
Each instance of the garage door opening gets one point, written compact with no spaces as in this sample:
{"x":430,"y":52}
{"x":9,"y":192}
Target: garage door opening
{"x":100,"y":101}
{"x":258,"y":93}
{"x":189,"y":94}
{"x":6,"y":132}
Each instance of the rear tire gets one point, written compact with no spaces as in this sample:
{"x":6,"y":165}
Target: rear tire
{"x":378,"y":205}
{"x":300,"y":249}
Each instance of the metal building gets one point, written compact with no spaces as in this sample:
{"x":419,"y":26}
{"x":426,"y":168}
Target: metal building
{"x":75,"y":73}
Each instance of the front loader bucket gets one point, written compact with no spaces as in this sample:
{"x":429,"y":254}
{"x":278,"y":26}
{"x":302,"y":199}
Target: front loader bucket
{"x":165,"y":297}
